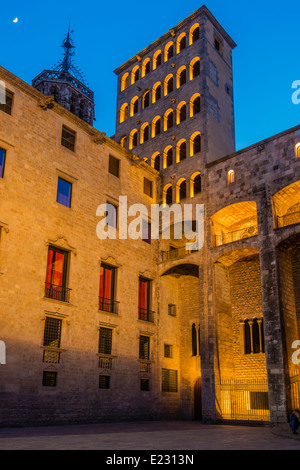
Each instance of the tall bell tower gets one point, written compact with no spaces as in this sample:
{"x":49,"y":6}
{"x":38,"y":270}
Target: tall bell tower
{"x":67,"y":85}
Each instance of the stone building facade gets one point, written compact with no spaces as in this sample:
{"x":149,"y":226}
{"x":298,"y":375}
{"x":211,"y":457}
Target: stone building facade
{"x":114,"y":329}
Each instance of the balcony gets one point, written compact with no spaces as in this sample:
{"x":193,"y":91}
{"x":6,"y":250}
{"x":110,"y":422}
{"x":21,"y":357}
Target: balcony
{"x":230,"y":237}
{"x":146,"y":315}
{"x":175,"y":253}
{"x":55,"y":292}
{"x":109,"y":305}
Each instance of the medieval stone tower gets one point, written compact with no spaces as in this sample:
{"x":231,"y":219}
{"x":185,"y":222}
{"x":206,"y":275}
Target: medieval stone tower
{"x":65,"y":84}
{"x":175,"y":98}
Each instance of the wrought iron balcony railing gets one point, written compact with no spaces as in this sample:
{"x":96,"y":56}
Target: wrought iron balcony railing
{"x":108,"y":305}
{"x":288,"y":219}
{"x":146,"y":315}
{"x":230,"y":237}
{"x":55,"y":292}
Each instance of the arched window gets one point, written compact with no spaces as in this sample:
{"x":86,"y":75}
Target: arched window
{"x":144,"y":133}
{"x":253,"y":336}
{"x":194,"y":340}
{"x":195,"y":143}
{"x":168,"y":156}
{"x":146,"y":67}
{"x":157,"y":59}
{"x":194,"y":68}
{"x":124,"y":112}
{"x":181,"y":112}
{"x":195,"y":104}
{"x":181,"y":151}
{"x":133,"y":139}
{"x":135,"y":74}
{"x":155,"y":161}
{"x":168,"y":119}
{"x":181,"y":43}
{"x":194,"y":33}
{"x":123,"y":141}
{"x":168,"y":84}
{"x":134,"y":106}
{"x":181,"y":190}
{"x":125,"y":81}
{"x":297,"y":150}
{"x":247,"y":337}
{"x":195,"y":184}
{"x":169,"y":51}
{"x":156,"y":126}
{"x":168,"y":195}
{"x":156,"y":92}
{"x":181,"y":76}
{"x":231,"y":176}
{"x":146,"y":99}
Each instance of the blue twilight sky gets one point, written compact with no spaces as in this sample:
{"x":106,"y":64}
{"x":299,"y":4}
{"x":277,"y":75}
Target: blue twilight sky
{"x":106,"y":34}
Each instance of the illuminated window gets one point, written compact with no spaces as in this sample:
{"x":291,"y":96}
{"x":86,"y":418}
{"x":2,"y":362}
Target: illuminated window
{"x":125,"y":81}
{"x":157,"y":59}
{"x":168,"y":196}
{"x":181,"y":112}
{"x":195,"y":184}
{"x":218,"y":45}
{"x":181,"y":190}
{"x":146,"y":99}
{"x":133,"y":139}
{"x":124,"y":112}
{"x":135,"y":74}
{"x":194,"y":68}
{"x":181,"y":151}
{"x":168,"y":119}
{"x":107,"y":293}
{"x":181,"y":43}
{"x":195,"y":104}
{"x":123,"y":142}
{"x":146,"y":67}
{"x":156,"y":126}
{"x":144,"y":300}
{"x":155,"y":161}
{"x":194,"y":33}
{"x":254,"y":336}
{"x":144,"y":133}
{"x":169,"y":380}
{"x":134,"y":106}
{"x":181,"y":76}
{"x":56,"y":275}
{"x":231,"y":176}
{"x":168,"y":157}
{"x":168,"y":84}
{"x":195,"y":143}
{"x":156,"y":92}
{"x":297,"y":150}
{"x":169,"y":51}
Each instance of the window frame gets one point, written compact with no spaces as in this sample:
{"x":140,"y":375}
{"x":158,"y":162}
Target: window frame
{"x":68,"y":142}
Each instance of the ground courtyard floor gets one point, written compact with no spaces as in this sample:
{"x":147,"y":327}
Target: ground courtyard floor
{"x":149,"y":436}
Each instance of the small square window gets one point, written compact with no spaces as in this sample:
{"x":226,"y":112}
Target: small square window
{"x":218,"y":44}
{"x":148,"y":187}
{"x":64,"y":192}
{"x":68,"y":138}
{"x":104,"y":382}
{"x":114,"y":166}
{"x":145,"y":385}
{"x":172,"y":310}
{"x":2,"y":162}
{"x":168,"y":350}
{"x":7,"y":106}
{"x":49,"y":379}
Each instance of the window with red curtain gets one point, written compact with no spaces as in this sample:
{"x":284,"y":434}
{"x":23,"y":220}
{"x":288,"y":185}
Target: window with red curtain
{"x":56,"y":275}
{"x":144,"y":298}
{"x":107,"y":288}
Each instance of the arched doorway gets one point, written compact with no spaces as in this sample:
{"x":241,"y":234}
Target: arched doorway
{"x":197,"y":401}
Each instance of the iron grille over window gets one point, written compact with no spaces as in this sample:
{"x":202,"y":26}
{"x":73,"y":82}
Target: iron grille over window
{"x":105,"y":340}
{"x":172,"y":310}
{"x":68,"y":138}
{"x":49,"y":379}
{"x":169,"y":380}
{"x":107,"y":301}
{"x":168,"y":350}
{"x":114,"y":166}
{"x":144,"y":348}
{"x":7,"y":106}
{"x":145,"y":385}
{"x":104,"y":382}
{"x":52,"y":332}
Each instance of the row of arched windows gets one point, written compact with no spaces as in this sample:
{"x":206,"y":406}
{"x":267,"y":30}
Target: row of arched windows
{"x":159,"y":89}
{"x":159,"y":56}
{"x":184,"y":188}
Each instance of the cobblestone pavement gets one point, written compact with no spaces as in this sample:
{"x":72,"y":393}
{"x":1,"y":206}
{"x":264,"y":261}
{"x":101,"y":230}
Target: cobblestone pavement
{"x":147,"y":436}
